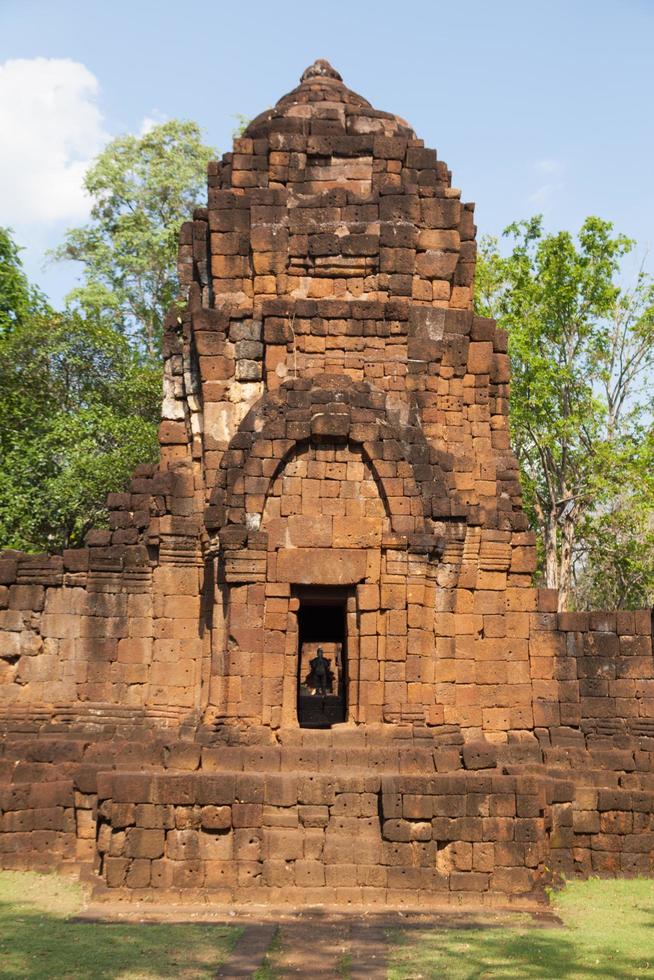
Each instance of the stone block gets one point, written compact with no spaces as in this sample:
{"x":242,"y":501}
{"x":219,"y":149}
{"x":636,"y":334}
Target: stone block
{"x":479,"y":755}
{"x":281,"y":789}
{"x":321,"y":566}
{"x":182,"y":845}
{"x":141,"y":843}
{"x":172,"y":433}
{"x":512,"y":881}
{"x":173,"y":581}
{"x":115,"y":870}
{"x":130,"y":787}
{"x":436,"y":265}
{"x":281,"y":845}
{"x":309,"y":873}
{"x":216,"y":817}
{"x":357,"y":532}
{"x":139,"y":873}
{"x":247,"y":814}
{"x":27,"y":597}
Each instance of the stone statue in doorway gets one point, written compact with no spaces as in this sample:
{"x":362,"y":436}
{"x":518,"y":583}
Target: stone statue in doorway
{"x":320,"y":676}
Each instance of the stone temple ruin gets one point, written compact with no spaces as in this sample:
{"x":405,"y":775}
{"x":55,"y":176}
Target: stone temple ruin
{"x":335,"y":473}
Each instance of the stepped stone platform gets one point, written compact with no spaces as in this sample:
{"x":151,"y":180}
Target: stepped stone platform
{"x":344,"y":817}
{"x":305,"y":663}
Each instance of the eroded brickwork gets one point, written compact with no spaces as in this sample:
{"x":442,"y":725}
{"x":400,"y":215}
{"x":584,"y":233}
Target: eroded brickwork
{"x":335,"y":445}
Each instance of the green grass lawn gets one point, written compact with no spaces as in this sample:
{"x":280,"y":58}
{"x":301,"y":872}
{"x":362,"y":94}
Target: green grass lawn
{"x":607,"y":934}
{"x":40,"y":938}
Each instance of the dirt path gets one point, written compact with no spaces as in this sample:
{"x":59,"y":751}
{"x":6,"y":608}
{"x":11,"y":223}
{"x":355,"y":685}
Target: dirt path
{"x":249,"y":952}
{"x":331,"y":948}
{"x":314,"y":944}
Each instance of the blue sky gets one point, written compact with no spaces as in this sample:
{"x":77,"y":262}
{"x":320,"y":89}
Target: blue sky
{"x":535,"y":106}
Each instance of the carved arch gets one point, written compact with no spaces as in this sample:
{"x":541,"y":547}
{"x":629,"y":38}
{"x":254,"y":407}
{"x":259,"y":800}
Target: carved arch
{"x":325,"y":408}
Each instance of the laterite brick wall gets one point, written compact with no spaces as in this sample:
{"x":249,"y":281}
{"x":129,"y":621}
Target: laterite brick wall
{"x":334,"y":417}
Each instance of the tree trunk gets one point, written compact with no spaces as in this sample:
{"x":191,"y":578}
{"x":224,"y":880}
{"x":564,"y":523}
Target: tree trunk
{"x":149,"y":338}
{"x":550,"y":538}
{"x":565,"y":569}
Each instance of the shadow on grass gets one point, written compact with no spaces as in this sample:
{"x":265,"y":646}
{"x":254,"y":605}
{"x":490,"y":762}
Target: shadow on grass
{"x":501,"y":953}
{"x":38,"y":945}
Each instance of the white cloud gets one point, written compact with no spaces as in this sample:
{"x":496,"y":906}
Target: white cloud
{"x":51,"y":128}
{"x":550,"y":173}
{"x":149,"y":122}
{"x":548,"y":167}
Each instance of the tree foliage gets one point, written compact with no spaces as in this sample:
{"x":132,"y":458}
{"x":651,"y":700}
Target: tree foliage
{"x":79,"y":410}
{"x":80,"y":391}
{"x":18,"y":298}
{"x":582,"y":350}
{"x":142,"y":189}
{"x":615,"y":560}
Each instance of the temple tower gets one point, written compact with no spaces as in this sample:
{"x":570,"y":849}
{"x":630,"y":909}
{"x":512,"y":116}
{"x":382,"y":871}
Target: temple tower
{"x":348,"y":417}
{"x":305,"y":661}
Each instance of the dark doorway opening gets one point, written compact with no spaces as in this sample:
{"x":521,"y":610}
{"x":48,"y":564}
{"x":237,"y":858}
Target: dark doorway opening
{"x":322,"y":657}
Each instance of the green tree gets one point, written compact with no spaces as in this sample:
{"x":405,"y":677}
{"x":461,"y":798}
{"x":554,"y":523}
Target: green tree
{"x":242,"y":123}
{"x":581,"y":349}
{"x":79,"y":412}
{"x":18,"y":299}
{"x":78,"y":408}
{"x":615,"y":554}
{"x":142,"y":189}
